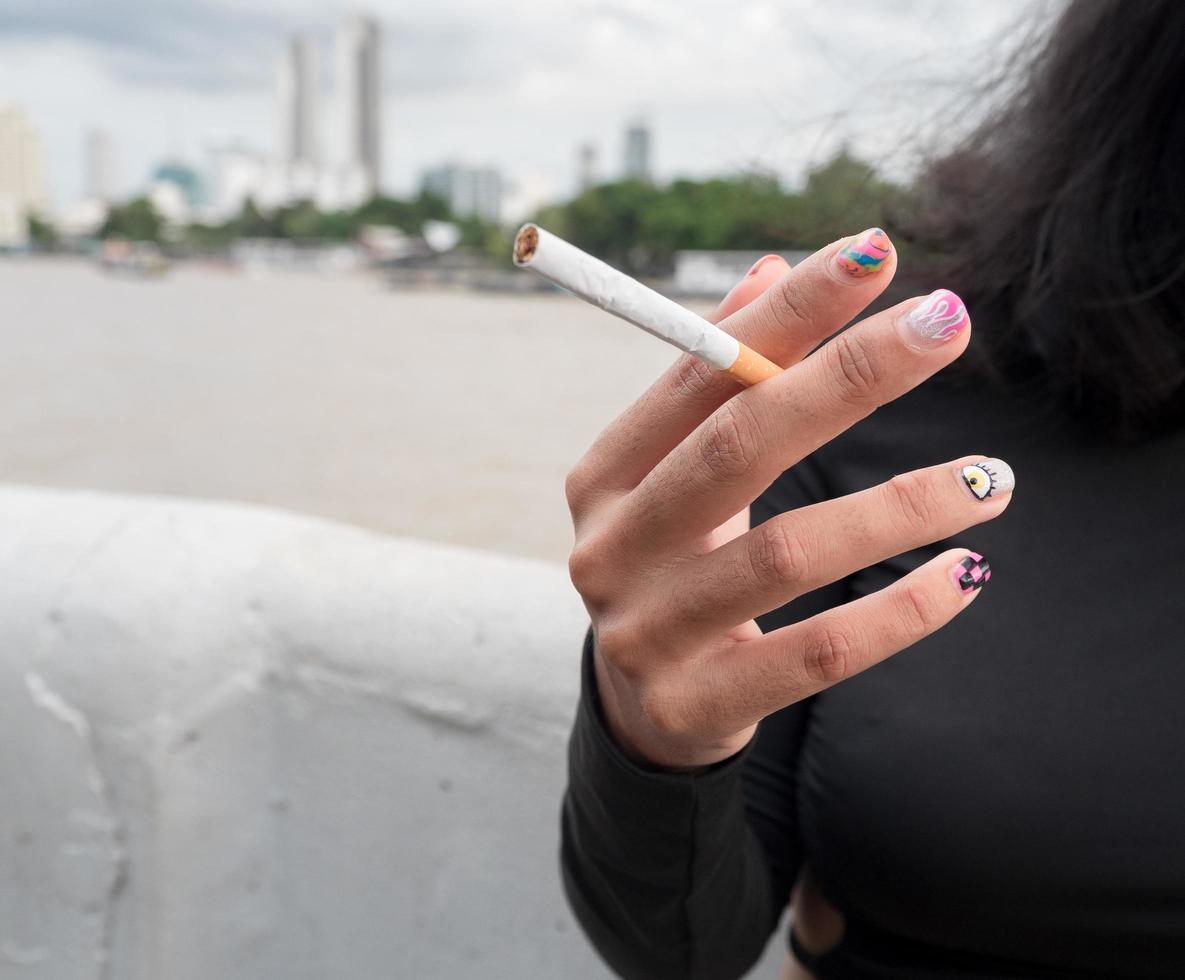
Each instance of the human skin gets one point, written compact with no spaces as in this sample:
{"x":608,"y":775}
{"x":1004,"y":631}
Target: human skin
{"x":669,"y":571}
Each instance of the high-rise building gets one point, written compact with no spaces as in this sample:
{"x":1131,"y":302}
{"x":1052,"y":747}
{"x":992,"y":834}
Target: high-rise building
{"x":300,"y":96}
{"x":238,"y":177}
{"x":469,"y":191}
{"x":359,"y":94}
{"x":586,"y":167}
{"x":22,"y":176}
{"x":637,"y":151}
{"x":100,"y":178}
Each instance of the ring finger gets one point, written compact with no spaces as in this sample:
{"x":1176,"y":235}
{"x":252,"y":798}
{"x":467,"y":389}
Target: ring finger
{"x":804,"y":549}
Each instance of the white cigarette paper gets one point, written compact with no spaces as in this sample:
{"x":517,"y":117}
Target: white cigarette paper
{"x":614,"y":291}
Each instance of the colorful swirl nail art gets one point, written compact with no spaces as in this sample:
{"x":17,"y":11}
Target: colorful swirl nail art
{"x":866,"y":254}
{"x":971,"y":573}
{"x":935,"y":320}
{"x":988,"y":477}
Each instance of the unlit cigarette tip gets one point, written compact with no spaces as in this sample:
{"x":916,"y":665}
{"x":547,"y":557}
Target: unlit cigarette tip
{"x":613,"y":291}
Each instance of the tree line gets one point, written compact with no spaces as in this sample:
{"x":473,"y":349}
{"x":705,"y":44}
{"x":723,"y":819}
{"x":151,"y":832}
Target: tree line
{"x":633,"y":224}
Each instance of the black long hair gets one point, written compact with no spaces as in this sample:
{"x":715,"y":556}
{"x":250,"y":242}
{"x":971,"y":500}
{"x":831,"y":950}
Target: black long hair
{"x":1061,"y":220}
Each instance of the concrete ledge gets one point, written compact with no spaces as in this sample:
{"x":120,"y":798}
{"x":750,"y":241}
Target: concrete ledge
{"x":245,"y":744}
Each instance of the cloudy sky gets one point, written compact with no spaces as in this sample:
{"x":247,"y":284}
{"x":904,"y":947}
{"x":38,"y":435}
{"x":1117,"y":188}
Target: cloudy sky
{"x":516,"y":83}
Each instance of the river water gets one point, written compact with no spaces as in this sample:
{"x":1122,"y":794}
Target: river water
{"x":446,"y":416}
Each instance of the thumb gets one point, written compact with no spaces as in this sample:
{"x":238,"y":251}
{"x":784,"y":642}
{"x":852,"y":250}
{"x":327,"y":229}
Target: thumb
{"x":764,"y":273}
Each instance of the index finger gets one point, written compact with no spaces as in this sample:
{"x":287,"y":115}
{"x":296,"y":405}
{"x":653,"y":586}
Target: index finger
{"x":785,"y":323}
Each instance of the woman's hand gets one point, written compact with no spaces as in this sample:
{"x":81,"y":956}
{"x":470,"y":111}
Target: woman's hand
{"x":664,"y":560}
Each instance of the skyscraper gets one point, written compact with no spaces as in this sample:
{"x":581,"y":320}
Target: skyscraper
{"x":359,"y":93}
{"x":300,"y":96}
{"x":100,"y":167}
{"x":469,"y":191}
{"x":22,"y":175}
{"x":637,"y":151}
{"x":586,"y":173}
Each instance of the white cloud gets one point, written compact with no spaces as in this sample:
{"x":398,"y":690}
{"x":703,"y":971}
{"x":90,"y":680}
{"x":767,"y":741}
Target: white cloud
{"x":725,"y":86}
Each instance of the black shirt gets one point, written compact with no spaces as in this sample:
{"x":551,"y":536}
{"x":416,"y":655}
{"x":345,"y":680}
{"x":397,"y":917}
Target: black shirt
{"x":1006,"y":799}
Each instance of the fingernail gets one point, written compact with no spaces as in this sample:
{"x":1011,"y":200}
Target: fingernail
{"x":988,"y":478}
{"x":759,"y":263}
{"x":865,"y":255}
{"x":971,"y":573}
{"x":939,"y":317}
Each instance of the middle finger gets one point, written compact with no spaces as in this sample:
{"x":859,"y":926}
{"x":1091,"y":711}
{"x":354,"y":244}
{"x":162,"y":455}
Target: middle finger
{"x":746,"y":443}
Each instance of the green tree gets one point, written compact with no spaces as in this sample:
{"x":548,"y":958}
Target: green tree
{"x":300,"y":221}
{"x":639,"y":226}
{"x":251,"y":222}
{"x":606,"y":220}
{"x":409,"y":216}
{"x":41,"y":232}
{"x":137,"y":221}
{"x":845,"y":195}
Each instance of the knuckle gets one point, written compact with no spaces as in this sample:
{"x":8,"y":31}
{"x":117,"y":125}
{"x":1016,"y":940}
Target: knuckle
{"x":694,"y":379}
{"x":919,"y":610}
{"x":914,"y":500}
{"x":731,"y":442}
{"x":582,"y":567}
{"x":789,"y":305}
{"x":590,"y":569}
{"x":622,"y":644}
{"x":576,"y":489}
{"x":828,"y":655}
{"x":855,"y":369}
{"x":778,"y":552}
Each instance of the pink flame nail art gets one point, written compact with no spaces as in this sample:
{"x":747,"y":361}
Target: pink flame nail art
{"x":937,"y":318}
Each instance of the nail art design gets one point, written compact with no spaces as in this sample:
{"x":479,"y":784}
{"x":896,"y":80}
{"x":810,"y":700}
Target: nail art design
{"x":971,"y":573}
{"x":935,"y":320}
{"x":866,"y":254}
{"x":988,"y":477}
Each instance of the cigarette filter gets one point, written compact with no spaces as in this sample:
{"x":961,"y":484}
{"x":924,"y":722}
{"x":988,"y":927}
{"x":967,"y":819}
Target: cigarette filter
{"x":612,"y":290}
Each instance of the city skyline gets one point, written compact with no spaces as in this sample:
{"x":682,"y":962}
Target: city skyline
{"x":776,"y":86}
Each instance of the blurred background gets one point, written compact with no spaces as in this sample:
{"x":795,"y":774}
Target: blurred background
{"x":257,"y":252}
{"x":231,"y":233}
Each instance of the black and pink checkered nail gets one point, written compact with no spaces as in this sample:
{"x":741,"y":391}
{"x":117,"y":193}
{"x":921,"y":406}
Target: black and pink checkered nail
{"x":971,"y":573}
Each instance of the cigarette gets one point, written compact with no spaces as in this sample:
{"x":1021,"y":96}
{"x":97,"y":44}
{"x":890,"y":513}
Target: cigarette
{"x":613,"y":291}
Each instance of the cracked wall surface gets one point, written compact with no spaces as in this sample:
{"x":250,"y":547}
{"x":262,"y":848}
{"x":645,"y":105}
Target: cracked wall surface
{"x":245,"y":744}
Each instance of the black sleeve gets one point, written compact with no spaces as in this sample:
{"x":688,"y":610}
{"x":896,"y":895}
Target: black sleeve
{"x":680,"y":875}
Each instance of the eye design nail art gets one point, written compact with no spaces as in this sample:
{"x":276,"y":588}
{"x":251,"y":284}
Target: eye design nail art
{"x":866,"y":254}
{"x":935,"y":320}
{"x":971,"y":573}
{"x":988,"y":477}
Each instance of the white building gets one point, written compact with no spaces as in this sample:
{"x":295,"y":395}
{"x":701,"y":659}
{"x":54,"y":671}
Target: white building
{"x":100,"y":176}
{"x":714,"y":273}
{"x":299,"y":92}
{"x":359,"y":95}
{"x":469,"y":191}
{"x":238,"y":174}
{"x":342,"y":171}
{"x":637,"y":151}
{"x":586,"y":167}
{"x":169,"y":201}
{"x":22,"y":176}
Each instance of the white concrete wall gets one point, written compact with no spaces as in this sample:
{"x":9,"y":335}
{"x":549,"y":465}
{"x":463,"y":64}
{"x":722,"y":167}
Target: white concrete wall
{"x":242,"y":744}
